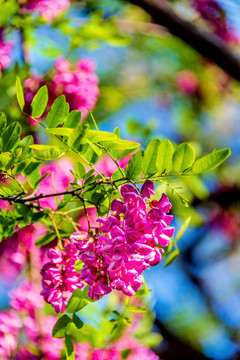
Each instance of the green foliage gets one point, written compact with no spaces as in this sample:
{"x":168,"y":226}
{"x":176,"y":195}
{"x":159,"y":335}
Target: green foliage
{"x":210,"y":161}
{"x":164,"y":157}
{"x":62,"y":327}
{"x":69,"y":349}
{"x":183,"y":157}
{"x":150,"y":157}
{"x":57,"y":112}
{"x":172,"y":257}
{"x":10,"y":137}
{"x":39,"y":102}
{"x":19,"y":91}
{"x":78,"y":301}
{"x":134,"y":166}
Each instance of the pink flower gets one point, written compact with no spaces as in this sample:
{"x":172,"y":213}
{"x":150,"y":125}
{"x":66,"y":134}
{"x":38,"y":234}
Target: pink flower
{"x":5,"y":49}
{"x":187,"y":82}
{"x":47,"y":8}
{"x":9,"y":328}
{"x":79,"y":84}
{"x":59,"y":277}
{"x":26,"y":299}
{"x":134,"y":237}
{"x":214,"y":14}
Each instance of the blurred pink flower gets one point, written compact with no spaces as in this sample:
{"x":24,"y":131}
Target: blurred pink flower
{"x":47,"y":8}
{"x":5,"y":48}
{"x":187,"y":82}
{"x":9,"y":327}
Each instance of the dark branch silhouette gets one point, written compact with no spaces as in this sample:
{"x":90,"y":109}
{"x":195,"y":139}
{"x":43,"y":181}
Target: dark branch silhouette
{"x":206,"y":44}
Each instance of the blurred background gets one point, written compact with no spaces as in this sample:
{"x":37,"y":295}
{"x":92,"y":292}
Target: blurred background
{"x":152,"y":84}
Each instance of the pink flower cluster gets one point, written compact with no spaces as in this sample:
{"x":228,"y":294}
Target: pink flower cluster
{"x":14,"y":250}
{"x":60,"y":278}
{"x":36,"y":330}
{"x":78,"y":84}
{"x":5,"y":48}
{"x":136,"y":350}
{"x":213,"y":13}
{"x":9,"y":329}
{"x":134,"y":237}
{"x":47,"y":8}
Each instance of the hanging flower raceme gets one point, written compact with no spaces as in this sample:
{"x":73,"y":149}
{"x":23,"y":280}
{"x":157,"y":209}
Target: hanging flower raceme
{"x":79,"y":84}
{"x":132,"y":240}
{"x":47,"y":8}
{"x":60,"y":278}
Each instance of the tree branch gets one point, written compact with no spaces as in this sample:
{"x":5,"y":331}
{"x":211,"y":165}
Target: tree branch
{"x":206,"y":44}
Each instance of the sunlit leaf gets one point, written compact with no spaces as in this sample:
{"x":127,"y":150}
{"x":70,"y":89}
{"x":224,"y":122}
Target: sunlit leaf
{"x":150,"y":157}
{"x":183,"y":157}
{"x":210,"y":161}
{"x":39,"y":102}
{"x":19,"y":91}
{"x":164,"y":157}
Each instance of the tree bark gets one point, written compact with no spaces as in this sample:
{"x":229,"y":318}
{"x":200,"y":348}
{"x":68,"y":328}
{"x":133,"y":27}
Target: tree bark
{"x":205,"y":43}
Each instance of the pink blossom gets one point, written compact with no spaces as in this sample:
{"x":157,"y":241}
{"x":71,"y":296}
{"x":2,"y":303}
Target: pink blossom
{"x":5,"y":49}
{"x":9,"y":328}
{"x":187,"y":82}
{"x":213,"y":13}
{"x":79,"y":84}
{"x":47,"y":8}
{"x":26,"y":299}
{"x":14,"y":250}
{"x":133,"y":239}
{"x":59,"y":277}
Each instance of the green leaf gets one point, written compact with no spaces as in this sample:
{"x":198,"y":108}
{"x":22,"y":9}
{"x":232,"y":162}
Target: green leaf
{"x":75,"y":139}
{"x":48,"y":153}
{"x":134,"y":166}
{"x":172,"y":257}
{"x":4,"y":159}
{"x":77,"y":301}
{"x":120,"y":144}
{"x":62,"y":327}
{"x":73,"y":119}
{"x":164,"y":157}
{"x":150,"y":157}
{"x":125,"y":353}
{"x":77,"y":321}
{"x":3,"y":122}
{"x":94,"y":147}
{"x":39,"y":102}
{"x":183,"y":228}
{"x":59,"y":131}
{"x":80,"y":170}
{"x":56,"y":114}
{"x":10,"y":137}
{"x":183,"y":157}
{"x":96,"y":136}
{"x":210,"y":161}
{"x":69,"y":349}
{"x":45,"y":239}
{"x":137,"y":309}
{"x":19,"y":91}
{"x":116,"y":131}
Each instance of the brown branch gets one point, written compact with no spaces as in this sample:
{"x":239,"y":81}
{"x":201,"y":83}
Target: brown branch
{"x":74,"y":192}
{"x":206,"y":44}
